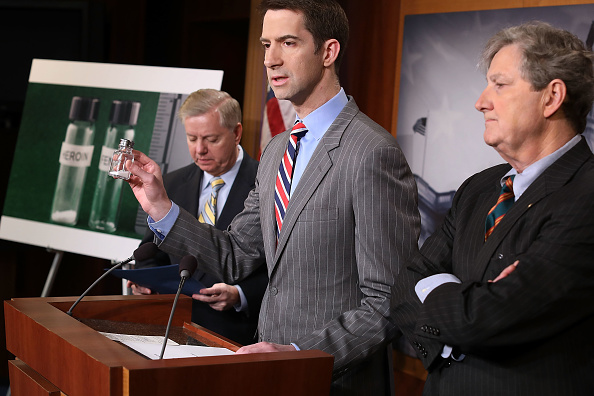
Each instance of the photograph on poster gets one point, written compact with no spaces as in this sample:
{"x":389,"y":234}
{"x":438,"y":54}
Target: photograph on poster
{"x":59,"y":193}
{"x":439,"y":130}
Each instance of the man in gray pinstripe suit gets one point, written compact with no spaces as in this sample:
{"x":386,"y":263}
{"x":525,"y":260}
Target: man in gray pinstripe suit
{"x":512,"y":313}
{"x":351,"y":221}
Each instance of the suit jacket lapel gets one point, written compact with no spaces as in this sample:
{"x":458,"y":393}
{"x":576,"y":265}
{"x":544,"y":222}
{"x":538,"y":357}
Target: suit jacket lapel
{"x":551,"y":180}
{"x":319,"y":164}
{"x":191,"y":191}
{"x":240,"y":185}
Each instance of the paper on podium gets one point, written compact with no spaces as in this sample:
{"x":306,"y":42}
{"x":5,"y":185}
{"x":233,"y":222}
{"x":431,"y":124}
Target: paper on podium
{"x":164,"y":279}
{"x":153,"y":351}
{"x":150,"y":346}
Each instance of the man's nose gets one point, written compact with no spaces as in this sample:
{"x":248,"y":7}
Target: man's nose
{"x":483,"y":103}
{"x":272,"y":57}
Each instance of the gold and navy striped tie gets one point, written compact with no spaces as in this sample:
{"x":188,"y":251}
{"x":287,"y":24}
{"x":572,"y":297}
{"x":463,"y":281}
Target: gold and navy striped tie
{"x":209,"y":213}
{"x":498,"y":211}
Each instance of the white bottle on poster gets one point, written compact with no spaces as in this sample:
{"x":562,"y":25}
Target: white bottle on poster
{"x":108,"y":191}
{"x":75,"y":157}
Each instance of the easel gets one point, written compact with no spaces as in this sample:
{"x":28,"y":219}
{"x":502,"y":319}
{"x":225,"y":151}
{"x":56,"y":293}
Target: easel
{"x":51,"y":275}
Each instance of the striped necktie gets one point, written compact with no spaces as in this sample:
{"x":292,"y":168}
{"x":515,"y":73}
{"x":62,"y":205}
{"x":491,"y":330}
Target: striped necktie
{"x":282,"y":189}
{"x":504,"y":202}
{"x":208,"y":215}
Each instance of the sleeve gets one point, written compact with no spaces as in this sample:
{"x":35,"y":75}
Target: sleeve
{"x":217,"y":251}
{"x":160,"y":259}
{"x":422,"y":265}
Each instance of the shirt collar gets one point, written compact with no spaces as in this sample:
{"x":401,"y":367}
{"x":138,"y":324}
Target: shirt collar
{"x":319,"y":120}
{"x":523,"y":180}
{"x":229,"y":176}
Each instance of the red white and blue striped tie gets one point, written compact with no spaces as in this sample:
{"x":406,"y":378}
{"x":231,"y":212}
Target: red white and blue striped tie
{"x":282,"y":189}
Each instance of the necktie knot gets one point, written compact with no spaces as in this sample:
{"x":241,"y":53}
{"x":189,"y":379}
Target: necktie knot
{"x":508,"y":186}
{"x":299,"y":130}
{"x":216,"y":183}
{"x":208,"y":214}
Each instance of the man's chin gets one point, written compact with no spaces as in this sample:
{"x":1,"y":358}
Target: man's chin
{"x":280,"y":93}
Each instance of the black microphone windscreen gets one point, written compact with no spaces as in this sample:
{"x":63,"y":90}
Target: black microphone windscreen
{"x":145,"y":251}
{"x":188,"y":263}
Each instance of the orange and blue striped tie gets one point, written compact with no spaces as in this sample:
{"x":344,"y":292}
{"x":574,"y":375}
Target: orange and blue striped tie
{"x":504,"y":202}
{"x":282,"y":189}
{"x":209,"y":213}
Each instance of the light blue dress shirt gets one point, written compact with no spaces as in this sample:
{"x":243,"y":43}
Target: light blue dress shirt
{"x":228,"y":177}
{"x":317,"y":123}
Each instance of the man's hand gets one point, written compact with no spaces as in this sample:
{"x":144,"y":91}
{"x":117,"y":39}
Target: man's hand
{"x":506,"y":271}
{"x":147,"y":185}
{"x":220,"y":296}
{"x":138,"y":290}
{"x":262,"y":347}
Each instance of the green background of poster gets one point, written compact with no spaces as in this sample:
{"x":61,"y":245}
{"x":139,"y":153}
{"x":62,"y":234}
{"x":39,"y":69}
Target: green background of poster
{"x":35,"y":165}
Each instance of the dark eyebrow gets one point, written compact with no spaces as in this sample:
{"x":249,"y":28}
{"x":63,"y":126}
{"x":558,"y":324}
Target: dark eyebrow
{"x":286,"y":37}
{"x":280,"y":39}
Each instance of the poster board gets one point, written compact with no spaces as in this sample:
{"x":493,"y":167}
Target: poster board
{"x":156,"y":94}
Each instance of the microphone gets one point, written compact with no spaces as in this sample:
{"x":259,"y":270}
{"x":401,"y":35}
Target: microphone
{"x":187,"y":266}
{"x":143,"y":252}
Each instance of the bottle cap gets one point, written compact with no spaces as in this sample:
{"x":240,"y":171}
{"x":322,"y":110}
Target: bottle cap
{"x":125,"y":143}
{"x":124,"y":112}
{"x":84,"y":109}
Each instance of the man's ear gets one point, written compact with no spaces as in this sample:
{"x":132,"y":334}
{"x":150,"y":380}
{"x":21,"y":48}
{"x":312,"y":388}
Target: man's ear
{"x":331,"y":49}
{"x":554,"y":96}
{"x":237,"y":131}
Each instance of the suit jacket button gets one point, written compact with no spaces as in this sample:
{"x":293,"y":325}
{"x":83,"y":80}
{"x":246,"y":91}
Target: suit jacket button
{"x":500,"y":256}
{"x":424,"y":328}
{"x":273,"y":291}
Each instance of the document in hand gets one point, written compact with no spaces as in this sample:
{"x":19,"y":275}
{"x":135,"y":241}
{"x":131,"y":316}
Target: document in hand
{"x":164,"y":279}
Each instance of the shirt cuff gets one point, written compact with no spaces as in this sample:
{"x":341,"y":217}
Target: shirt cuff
{"x":162,"y":227}
{"x":446,"y":351}
{"x":427,"y":285}
{"x":295,"y":345}
{"x":242,"y":306}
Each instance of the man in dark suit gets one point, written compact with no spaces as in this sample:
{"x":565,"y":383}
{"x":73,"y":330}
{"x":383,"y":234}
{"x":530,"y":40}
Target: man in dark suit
{"x":212,"y":120}
{"x":334,"y":251}
{"x":500,"y":299}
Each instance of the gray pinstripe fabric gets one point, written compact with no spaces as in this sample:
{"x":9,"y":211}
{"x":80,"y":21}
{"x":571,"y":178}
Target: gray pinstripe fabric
{"x":530,"y":333}
{"x":350,"y":225}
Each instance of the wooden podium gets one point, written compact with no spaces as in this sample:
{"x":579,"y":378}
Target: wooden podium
{"x":57,"y":354}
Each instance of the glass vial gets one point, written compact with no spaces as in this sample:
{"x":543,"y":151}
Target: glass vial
{"x":75,"y":157}
{"x":108,"y":190}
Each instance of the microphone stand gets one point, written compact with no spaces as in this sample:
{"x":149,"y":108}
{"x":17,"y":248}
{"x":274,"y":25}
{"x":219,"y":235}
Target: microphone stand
{"x":118,"y":265}
{"x":143,"y":252}
{"x":179,"y":289}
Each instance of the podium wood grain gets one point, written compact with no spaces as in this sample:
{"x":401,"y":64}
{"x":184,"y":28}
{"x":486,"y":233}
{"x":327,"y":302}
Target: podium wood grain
{"x":77,"y":360}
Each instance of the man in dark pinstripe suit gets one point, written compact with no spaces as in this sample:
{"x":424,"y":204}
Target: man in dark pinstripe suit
{"x":350,"y":224}
{"x":512,"y":313}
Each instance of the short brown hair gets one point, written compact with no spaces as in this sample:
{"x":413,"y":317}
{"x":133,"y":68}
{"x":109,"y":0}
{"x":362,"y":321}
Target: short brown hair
{"x":324,"y":19}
